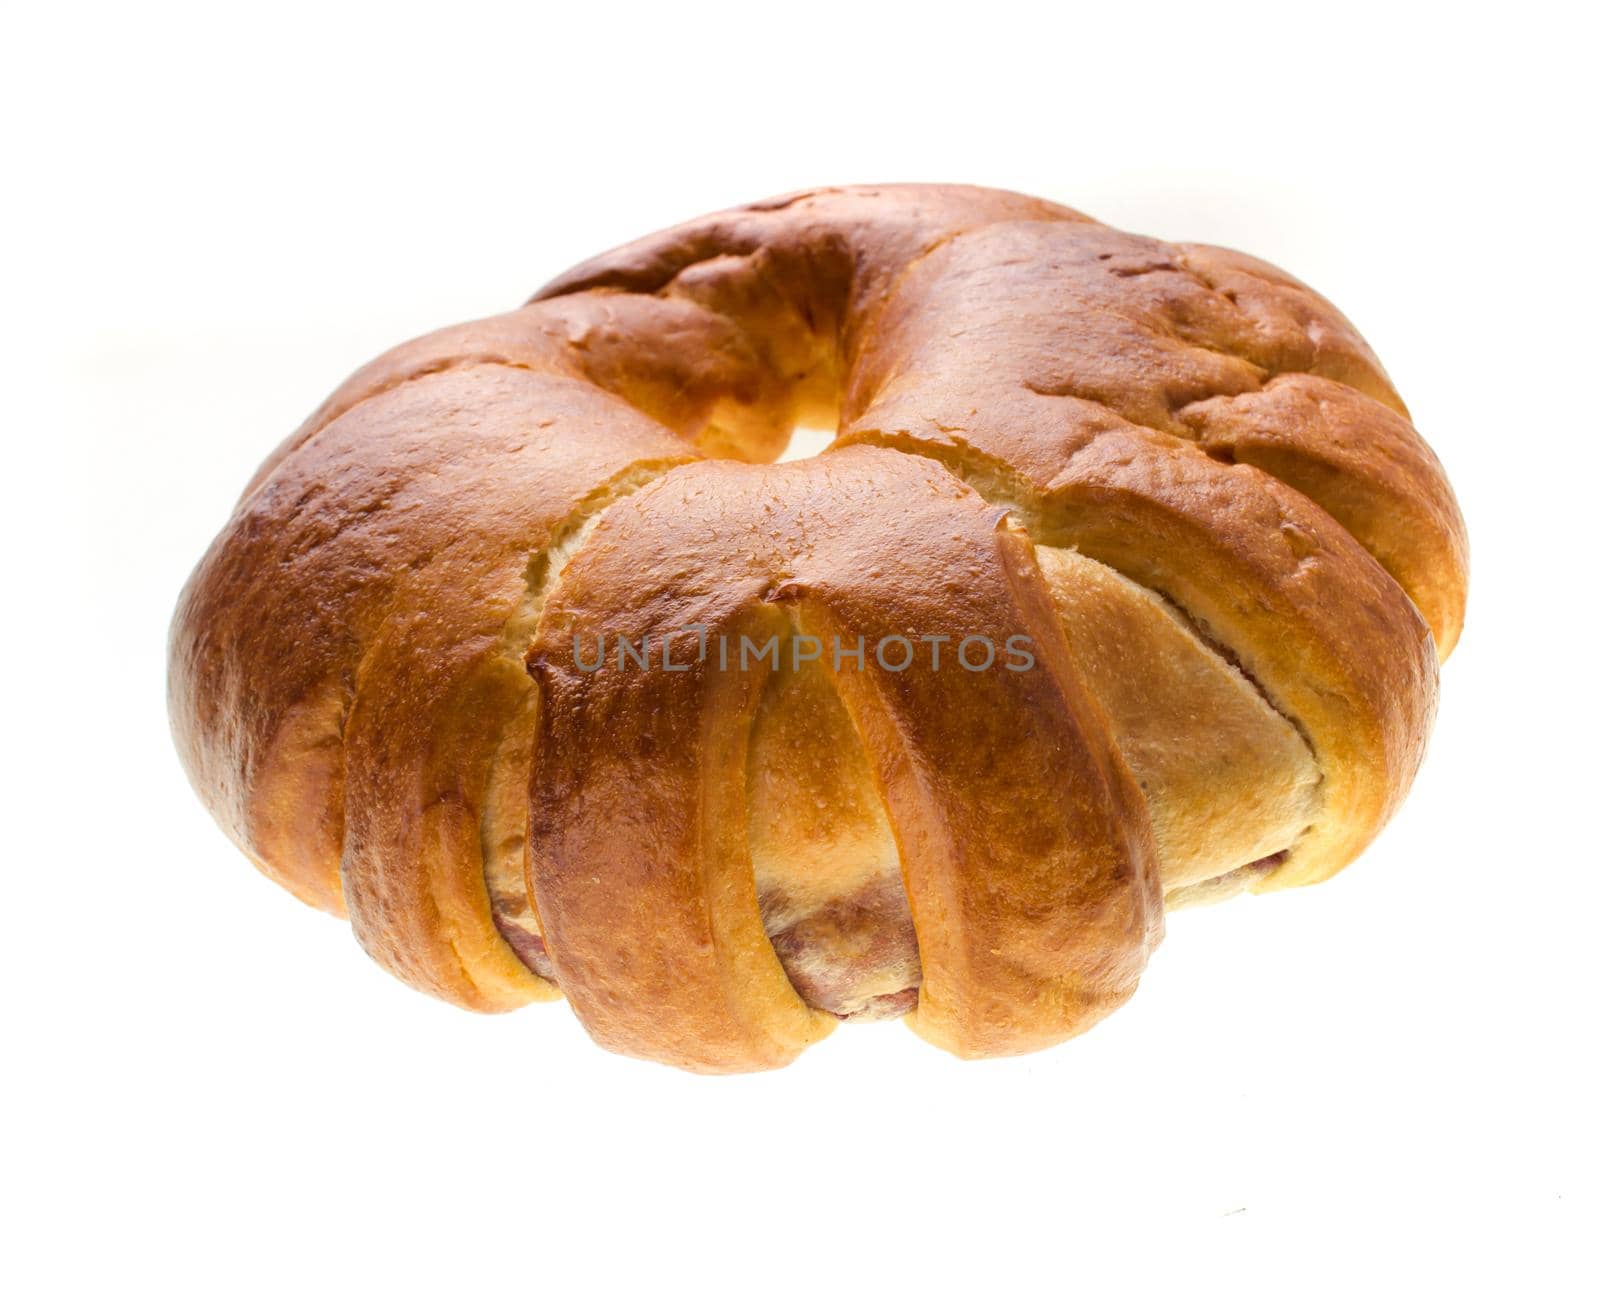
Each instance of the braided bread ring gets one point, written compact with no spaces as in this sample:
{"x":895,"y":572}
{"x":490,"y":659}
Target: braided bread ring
{"x":1174,"y":474}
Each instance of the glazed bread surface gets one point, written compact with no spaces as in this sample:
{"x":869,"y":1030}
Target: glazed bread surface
{"x":1167,"y":484}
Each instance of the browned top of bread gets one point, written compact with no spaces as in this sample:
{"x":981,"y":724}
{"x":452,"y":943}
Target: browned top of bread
{"x":1175,"y":474}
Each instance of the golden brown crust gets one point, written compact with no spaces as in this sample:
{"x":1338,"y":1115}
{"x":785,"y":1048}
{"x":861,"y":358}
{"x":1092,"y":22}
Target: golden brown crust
{"x":1035,"y":901}
{"x":1227,"y":548}
{"x":413,"y":517}
{"x":1067,"y":401}
{"x":1367,"y":467}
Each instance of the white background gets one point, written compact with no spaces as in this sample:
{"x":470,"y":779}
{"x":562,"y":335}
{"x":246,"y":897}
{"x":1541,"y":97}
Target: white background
{"x":212,"y":215}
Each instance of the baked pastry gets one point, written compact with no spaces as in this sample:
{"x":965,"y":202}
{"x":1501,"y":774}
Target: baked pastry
{"x":523,"y":653}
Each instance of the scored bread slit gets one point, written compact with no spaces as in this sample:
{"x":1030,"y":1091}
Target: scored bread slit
{"x":1224,"y":796}
{"x":503,"y":824}
{"x":826,"y":865}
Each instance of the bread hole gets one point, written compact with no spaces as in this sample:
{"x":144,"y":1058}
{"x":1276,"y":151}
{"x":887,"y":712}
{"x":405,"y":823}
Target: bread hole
{"x":805,"y":442}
